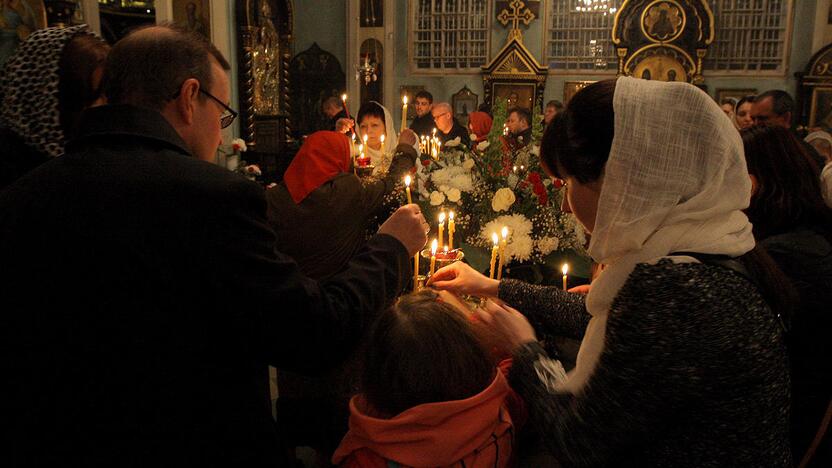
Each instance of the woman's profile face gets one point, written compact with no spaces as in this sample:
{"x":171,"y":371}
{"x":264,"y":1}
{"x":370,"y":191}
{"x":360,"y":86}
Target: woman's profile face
{"x":582,"y":201}
{"x":743,"y":116}
{"x":373,"y":127}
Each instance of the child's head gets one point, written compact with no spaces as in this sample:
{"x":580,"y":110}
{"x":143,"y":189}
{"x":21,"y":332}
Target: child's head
{"x":422,"y":350}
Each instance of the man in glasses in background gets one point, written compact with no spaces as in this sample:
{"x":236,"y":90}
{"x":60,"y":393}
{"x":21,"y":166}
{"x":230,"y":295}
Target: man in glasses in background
{"x":446,"y":125}
{"x":142,"y":296}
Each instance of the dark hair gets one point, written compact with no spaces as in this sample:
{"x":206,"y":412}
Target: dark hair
{"x":424,"y":95}
{"x":83,"y":56}
{"x":749,"y":98}
{"x":578,"y":140}
{"x":788,"y":184}
{"x":781,"y":101}
{"x":148,"y":69}
{"x":728,"y":100}
{"x":485,"y":107}
{"x":422,"y":350}
{"x":373,"y":109}
{"x":522,"y":114}
{"x":556,"y":104}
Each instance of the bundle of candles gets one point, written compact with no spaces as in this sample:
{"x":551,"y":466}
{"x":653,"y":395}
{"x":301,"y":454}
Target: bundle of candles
{"x":430,"y":146}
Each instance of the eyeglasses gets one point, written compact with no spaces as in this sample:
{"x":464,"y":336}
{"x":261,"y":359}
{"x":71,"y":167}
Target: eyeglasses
{"x":440,"y":115}
{"x":228,"y":116}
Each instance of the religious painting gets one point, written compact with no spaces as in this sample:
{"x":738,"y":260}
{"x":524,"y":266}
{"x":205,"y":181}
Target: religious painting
{"x":734,"y":93}
{"x":820,"y":112}
{"x":570,"y":88}
{"x":410,"y":91}
{"x":663,"y":21}
{"x":516,"y":94}
{"x":464,"y":102}
{"x":660,"y":68}
{"x":193,"y":15}
{"x":18,"y":18}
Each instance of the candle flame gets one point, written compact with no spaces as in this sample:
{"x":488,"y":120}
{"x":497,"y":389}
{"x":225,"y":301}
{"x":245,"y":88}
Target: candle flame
{"x":445,"y":249}
{"x":365,"y":138}
{"x":407,"y":181}
{"x":505,"y":232}
{"x":382,"y":138}
{"x":404,"y":99}
{"x":433,"y":246}
{"x":564,"y":269}
{"x":343,"y":97}
{"x":495,"y":238}
{"x":441,"y":217}
{"x":451,"y":215}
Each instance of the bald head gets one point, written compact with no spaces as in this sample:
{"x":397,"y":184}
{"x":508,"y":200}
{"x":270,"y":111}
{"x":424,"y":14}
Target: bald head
{"x":443,"y":116}
{"x":147,"y":67}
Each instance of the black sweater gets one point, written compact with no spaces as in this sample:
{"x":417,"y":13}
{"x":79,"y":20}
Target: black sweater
{"x":693,"y":373}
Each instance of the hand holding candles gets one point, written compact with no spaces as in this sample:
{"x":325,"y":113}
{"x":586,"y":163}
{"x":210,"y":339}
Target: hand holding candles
{"x":494,"y":254}
{"x":502,"y":253}
{"x":442,"y":226}
{"x":564,"y":269}
{"x":451,"y":229}
{"x":404,"y":113}
{"x":433,"y":247}
{"x":407,"y":181}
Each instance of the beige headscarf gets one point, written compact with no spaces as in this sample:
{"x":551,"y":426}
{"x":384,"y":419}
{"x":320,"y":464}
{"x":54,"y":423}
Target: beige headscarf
{"x":676,"y":181}
{"x":381,"y":158}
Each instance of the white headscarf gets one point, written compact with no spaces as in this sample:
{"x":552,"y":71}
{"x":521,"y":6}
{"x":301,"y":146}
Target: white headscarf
{"x":381,"y":158}
{"x":676,"y":181}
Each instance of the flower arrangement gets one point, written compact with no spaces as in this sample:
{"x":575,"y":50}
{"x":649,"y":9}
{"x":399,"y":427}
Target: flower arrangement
{"x":234,"y":162}
{"x":498,"y":184}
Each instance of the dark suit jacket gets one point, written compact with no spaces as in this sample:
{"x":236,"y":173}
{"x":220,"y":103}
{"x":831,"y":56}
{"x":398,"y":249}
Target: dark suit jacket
{"x":456,"y":131}
{"x":143,"y":299}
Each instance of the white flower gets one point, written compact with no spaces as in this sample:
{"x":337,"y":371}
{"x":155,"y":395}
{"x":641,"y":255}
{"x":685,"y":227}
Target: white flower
{"x":253,"y":169}
{"x":436,"y":198}
{"x":483,"y":145}
{"x":453,"y":195}
{"x":452,"y":143}
{"x":238,"y":144}
{"x":453,"y":177}
{"x":535,"y":150}
{"x":547,"y":245}
{"x":468,"y":164}
{"x":503,"y":199}
{"x":520,"y":244}
{"x":472,"y":136}
{"x":444,"y":188}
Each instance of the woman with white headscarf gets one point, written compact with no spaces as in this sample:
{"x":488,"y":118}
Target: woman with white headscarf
{"x":375,"y":121}
{"x":682,"y":361}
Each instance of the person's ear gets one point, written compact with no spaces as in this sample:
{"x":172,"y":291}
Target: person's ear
{"x":187,"y":99}
{"x":754,"y":184}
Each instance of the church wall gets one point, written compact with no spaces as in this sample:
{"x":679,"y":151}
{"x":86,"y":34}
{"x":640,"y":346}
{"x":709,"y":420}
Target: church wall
{"x":324,"y":22}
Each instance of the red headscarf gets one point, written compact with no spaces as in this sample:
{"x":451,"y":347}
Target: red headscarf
{"x":323,"y":156}
{"x":480,"y":124}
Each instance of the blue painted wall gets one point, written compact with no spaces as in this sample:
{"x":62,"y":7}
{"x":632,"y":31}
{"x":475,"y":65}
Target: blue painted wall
{"x":324,"y":22}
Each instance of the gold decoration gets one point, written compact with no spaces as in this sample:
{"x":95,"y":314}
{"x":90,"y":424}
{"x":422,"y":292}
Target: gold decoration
{"x":663,"y":21}
{"x":519,"y":12}
{"x":265,"y":58}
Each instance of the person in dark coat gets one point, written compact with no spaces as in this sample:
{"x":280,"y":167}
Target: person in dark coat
{"x":423,"y":123}
{"x":50,"y":79}
{"x":794,"y":225}
{"x":333,"y":109}
{"x":447,"y":126}
{"x":142,"y":294}
{"x":321,"y":212}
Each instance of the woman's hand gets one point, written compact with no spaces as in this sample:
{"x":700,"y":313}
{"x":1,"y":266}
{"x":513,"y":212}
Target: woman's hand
{"x":460,"y":278}
{"x":509,"y":326}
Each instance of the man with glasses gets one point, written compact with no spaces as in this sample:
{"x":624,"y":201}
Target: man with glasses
{"x":446,"y":125}
{"x":142,"y":295}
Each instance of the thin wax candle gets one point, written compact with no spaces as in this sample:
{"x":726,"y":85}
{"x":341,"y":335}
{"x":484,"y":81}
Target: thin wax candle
{"x":494,"y":254}
{"x":451,"y":229}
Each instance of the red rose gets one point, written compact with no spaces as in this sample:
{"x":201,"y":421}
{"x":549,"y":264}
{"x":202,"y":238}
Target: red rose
{"x":426,"y":162}
{"x":558,"y":183}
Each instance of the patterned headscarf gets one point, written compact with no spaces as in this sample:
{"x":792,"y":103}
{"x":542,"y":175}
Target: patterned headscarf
{"x":29,"y":89}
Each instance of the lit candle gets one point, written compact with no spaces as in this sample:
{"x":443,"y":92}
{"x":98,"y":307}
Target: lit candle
{"x":564,"y":269}
{"x":407,"y":181}
{"x":433,"y":247}
{"x":502,"y":252}
{"x":442,"y":226}
{"x":365,"y":139}
{"x":404,"y":112}
{"x":451,"y":229}
{"x":494,"y":254}
{"x":382,"y":139}
{"x":344,"y":100}
{"x":416,"y":272}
